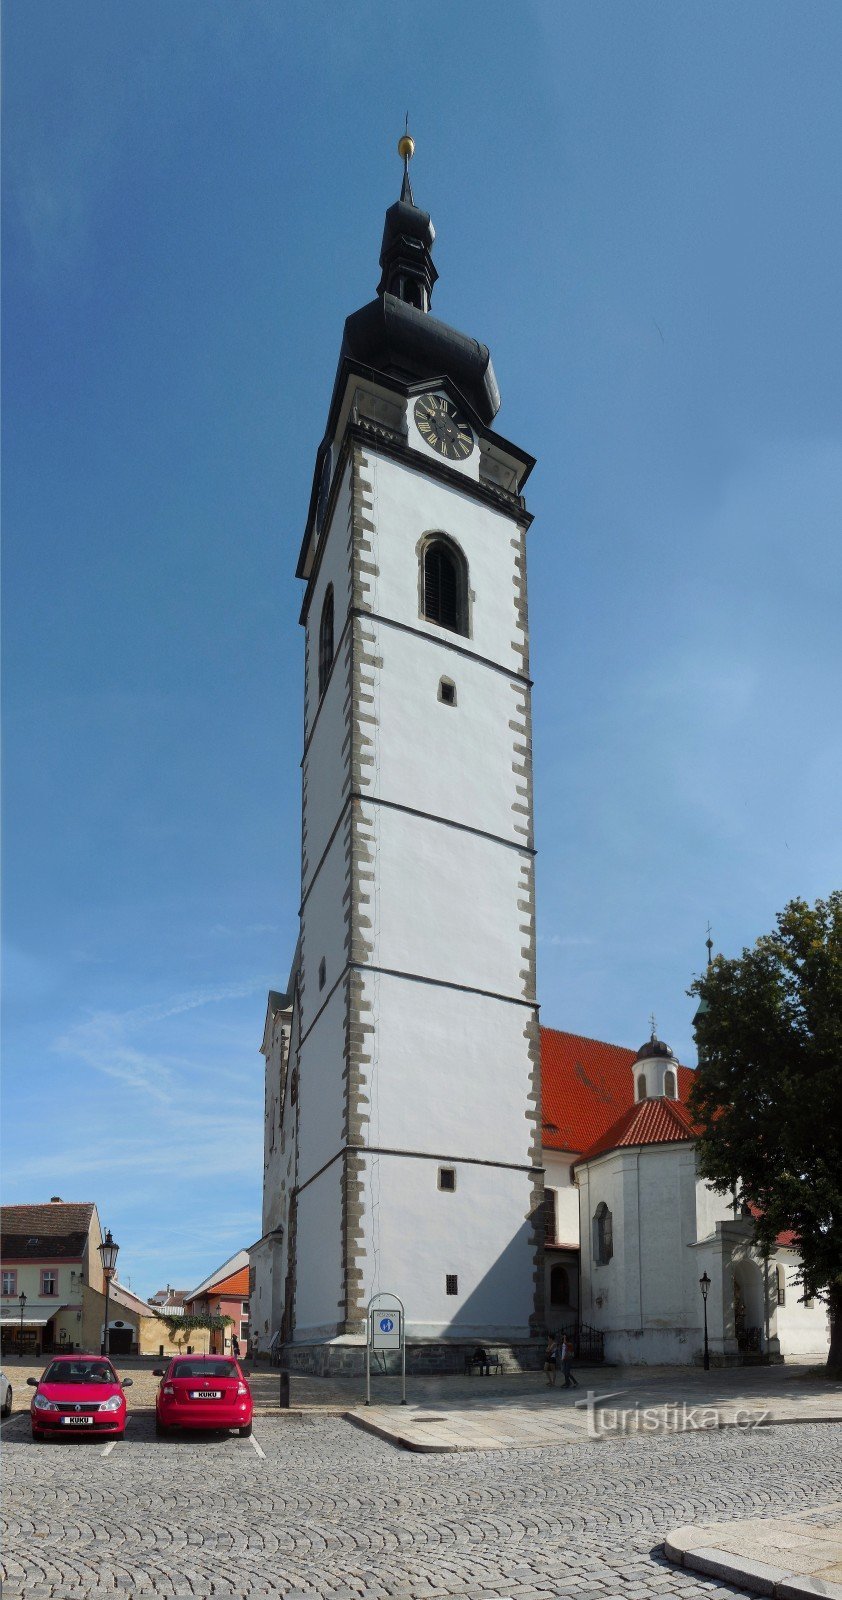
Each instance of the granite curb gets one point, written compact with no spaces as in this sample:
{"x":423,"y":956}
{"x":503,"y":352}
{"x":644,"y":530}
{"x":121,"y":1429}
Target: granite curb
{"x":803,"y":1542}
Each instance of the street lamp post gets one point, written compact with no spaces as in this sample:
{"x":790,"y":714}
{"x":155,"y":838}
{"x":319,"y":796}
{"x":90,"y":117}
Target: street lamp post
{"x":108,"y":1256}
{"x":704,"y":1285}
{"x":20,"y":1335}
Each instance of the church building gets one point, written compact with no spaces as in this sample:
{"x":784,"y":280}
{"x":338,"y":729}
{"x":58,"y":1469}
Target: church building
{"x":404,"y":1147}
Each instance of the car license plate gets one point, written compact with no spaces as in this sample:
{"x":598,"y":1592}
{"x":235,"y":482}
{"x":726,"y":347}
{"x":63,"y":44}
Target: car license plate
{"x":78,"y":1422}
{"x":205,"y":1394}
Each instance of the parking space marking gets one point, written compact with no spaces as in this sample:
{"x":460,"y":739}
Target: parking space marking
{"x":260,"y":1452}
{"x":107,"y":1449}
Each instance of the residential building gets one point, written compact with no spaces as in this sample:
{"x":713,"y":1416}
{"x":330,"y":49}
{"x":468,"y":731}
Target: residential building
{"x":225,"y":1293}
{"x":49,"y":1254}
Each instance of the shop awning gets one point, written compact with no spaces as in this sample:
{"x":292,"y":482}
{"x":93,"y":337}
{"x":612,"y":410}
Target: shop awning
{"x":33,"y":1316}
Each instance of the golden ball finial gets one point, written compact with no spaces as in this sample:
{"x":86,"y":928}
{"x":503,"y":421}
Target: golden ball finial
{"x":406,"y":146}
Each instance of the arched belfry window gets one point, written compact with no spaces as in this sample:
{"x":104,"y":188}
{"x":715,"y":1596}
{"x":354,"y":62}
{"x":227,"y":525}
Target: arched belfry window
{"x":603,"y":1236}
{"x":444,"y":584}
{"x":326,"y":640}
{"x":641,"y":1086}
{"x":670,"y":1088}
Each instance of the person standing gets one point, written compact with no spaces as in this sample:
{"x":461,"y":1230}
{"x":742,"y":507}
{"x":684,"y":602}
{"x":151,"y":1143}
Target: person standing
{"x":566,"y":1363}
{"x":551,"y":1360}
{"x":235,"y":1348}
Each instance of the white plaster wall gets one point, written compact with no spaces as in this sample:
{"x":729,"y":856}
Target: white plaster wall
{"x":557,"y":1164}
{"x":449,"y":1072}
{"x":318,"y":1291}
{"x":463,"y":893}
{"x":711,"y":1208}
{"x":453,"y":761}
{"x":272,"y":1156}
{"x":323,"y":928}
{"x":335,"y":569}
{"x":321,"y":1089}
{"x":666,"y":1226}
{"x":406,"y":505}
{"x":480,"y":1232}
{"x":802,"y":1330}
{"x":326,"y":770}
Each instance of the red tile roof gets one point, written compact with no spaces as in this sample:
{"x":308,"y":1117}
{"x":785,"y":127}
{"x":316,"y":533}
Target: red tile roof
{"x":586,"y":1086}
{"x":658,"y":1121}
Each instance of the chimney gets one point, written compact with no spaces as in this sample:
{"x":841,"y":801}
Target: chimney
{"x":56,"y":1200}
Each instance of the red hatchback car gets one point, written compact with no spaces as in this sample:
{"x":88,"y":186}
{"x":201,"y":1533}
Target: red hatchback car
{"x":81,"y":1393}
{"x":203,"y":1392}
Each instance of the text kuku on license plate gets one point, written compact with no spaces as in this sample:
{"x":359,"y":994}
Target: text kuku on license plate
{"x":205,"y":1394}
{"x":78,"y":1422}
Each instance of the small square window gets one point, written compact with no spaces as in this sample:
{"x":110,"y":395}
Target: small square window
{"x":447,"y":692}
{"x":322,"y":973}
{"x":451,"y":1283}
{"x":447,"y":1178}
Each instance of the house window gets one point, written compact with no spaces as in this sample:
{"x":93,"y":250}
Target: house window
{"x":781,"y":1286}
{"x":550,"y":1217}
{"x":670,"y":1089}
{"x":603,"y":1240}
{"x":444,"y":588}
{"x":10,"y":1282}
{"x":451,"y":1283}
{"x":326,"y":640}
{"x":559,"y":1287}
{"x":49,"y":1283}
{"x":244,"y":1307}
{"x":641,"y":1086}
{"x":447,"y":1178}
{"x":322,"y":973}
{"x":447,"y":692}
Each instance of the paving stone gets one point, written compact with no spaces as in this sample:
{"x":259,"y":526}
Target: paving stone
{"x":333,"y":1513}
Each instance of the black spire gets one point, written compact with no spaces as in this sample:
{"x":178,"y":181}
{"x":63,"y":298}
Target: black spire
{"x":406,"y":264}
{"x":395,"y":332}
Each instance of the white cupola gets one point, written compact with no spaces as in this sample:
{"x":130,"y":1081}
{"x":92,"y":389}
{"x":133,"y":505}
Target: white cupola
{"x":655,"y":1071}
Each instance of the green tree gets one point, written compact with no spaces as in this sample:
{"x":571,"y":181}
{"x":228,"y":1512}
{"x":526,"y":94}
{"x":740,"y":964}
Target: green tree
{"x":768,"y":1092}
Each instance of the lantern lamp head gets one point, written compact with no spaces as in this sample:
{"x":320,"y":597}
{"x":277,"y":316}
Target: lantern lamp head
{"x":108,"y":1254}
{"x":704,"y":1285}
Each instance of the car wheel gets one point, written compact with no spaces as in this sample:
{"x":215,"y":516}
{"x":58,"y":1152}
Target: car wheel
{"x":37,"y":1436}
{"x":160,"y":1429}
{"x":245,"y":1433}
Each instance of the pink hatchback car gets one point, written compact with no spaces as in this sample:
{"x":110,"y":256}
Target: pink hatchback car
{"x":79,"y":1394}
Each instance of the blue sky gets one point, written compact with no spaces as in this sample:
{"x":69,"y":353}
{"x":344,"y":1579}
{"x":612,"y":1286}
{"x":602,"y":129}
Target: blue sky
{"x":638,"y":208}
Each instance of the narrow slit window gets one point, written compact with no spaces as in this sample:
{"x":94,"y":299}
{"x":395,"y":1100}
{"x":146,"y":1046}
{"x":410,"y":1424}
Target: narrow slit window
{"x":451,"y":1283}
{"x":447,"y":692}
{"x":326,"y":640}
{"x":447,"y":1178}
{"x":322,"y":973}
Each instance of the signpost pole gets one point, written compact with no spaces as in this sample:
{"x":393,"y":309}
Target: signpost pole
{"x":403,"y":1361}
{"x":384,"y":1330}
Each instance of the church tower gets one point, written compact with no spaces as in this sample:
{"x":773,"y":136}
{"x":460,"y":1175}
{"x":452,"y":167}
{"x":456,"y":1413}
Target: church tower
{"x":413,"y":1101}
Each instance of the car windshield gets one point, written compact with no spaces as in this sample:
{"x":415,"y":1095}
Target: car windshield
{"x":204,"y":1368}
{"x":80,"y":1372}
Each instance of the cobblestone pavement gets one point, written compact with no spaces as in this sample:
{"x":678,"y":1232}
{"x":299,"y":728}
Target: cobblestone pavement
{"x":329,"y":1511}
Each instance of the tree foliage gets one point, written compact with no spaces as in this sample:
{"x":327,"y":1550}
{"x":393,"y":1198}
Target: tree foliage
{"x":768,"y":1092}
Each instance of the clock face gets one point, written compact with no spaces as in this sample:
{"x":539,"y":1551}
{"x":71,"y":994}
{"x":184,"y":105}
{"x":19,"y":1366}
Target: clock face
{"x":443,"y":427}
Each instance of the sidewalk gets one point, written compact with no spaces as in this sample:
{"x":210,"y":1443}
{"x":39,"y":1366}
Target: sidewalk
{"x":789,"y":1557}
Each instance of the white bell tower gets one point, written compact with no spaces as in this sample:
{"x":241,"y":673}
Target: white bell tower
{"x":414,"y":1099}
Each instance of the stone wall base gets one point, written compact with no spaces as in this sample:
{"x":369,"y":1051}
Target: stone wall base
{"x":346,"y":1358}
